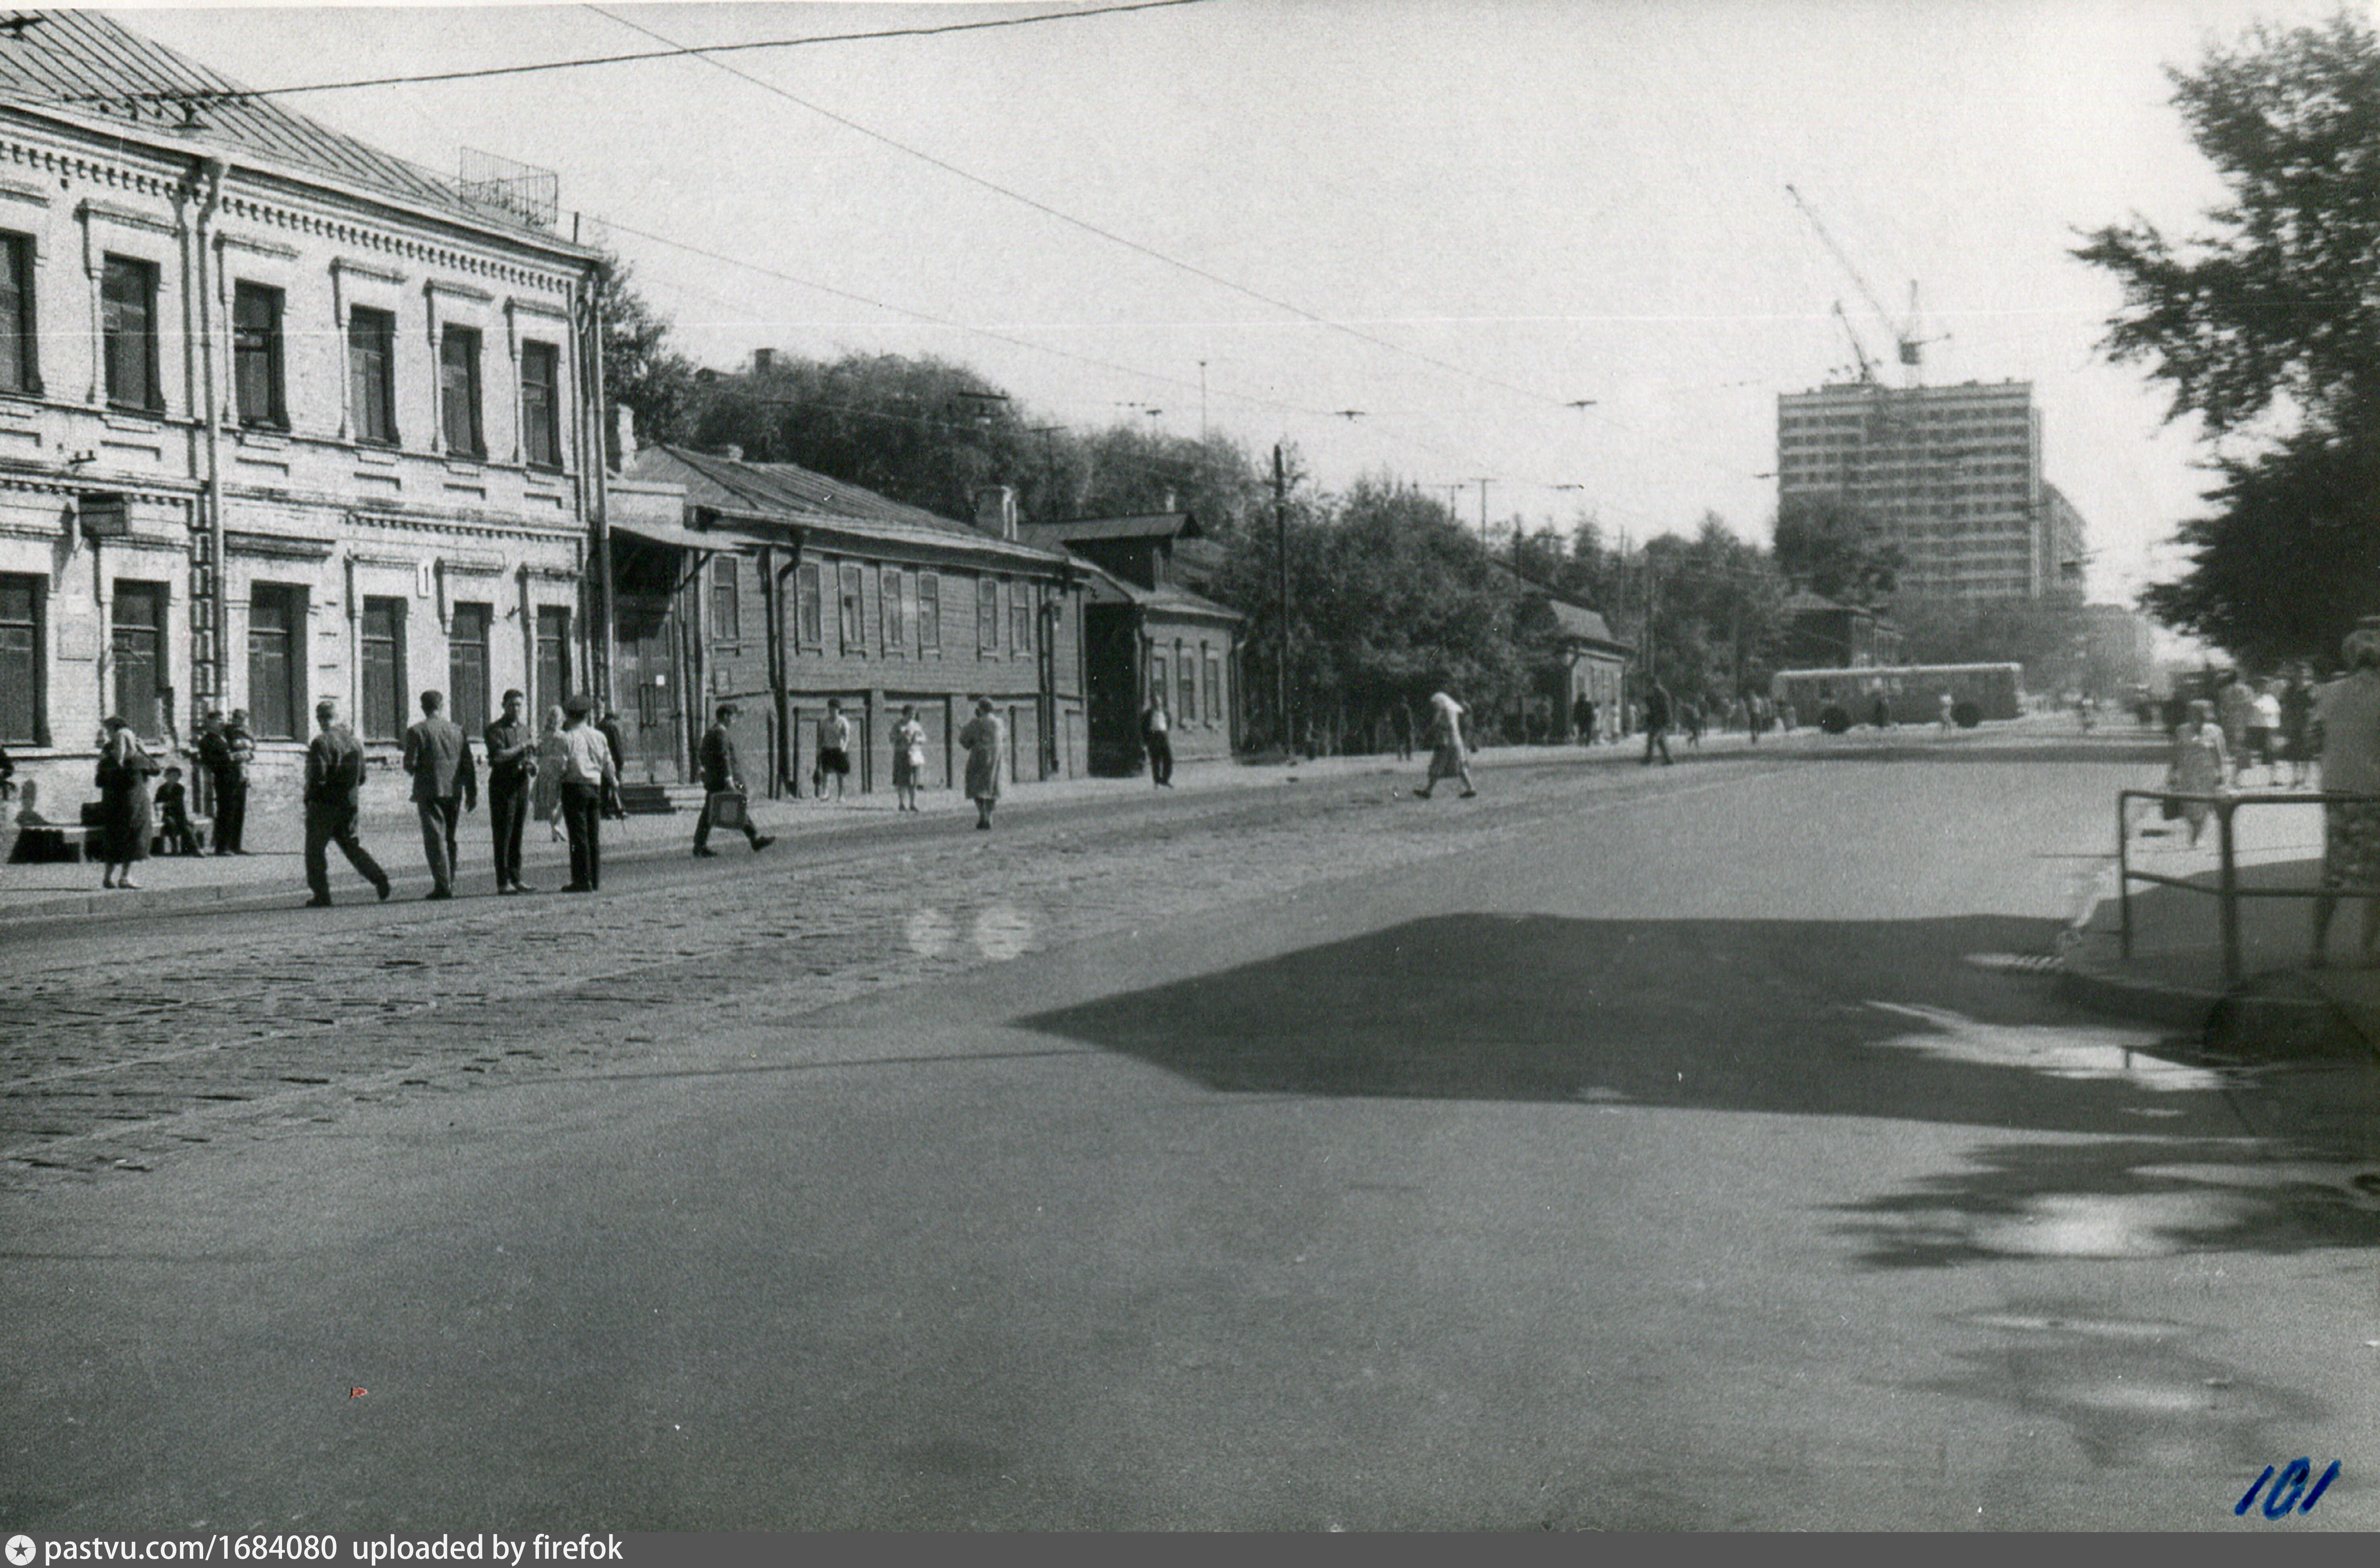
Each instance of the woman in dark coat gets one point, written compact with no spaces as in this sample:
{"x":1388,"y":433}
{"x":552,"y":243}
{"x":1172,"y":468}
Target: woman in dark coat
{"x":124,"y":772}
{"x":985,"y":738}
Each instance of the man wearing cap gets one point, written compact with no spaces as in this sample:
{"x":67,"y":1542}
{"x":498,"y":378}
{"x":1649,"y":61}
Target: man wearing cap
{"x":446,"y":784}
{"x":512,"y":768}
{"x":588,"y":776}
{"x":2347,"y":712}
{"x":335,"y":770}
{"x":722,"y":771}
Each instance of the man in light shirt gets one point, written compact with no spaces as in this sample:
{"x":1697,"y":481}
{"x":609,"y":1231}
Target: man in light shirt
{"x":588,"y":776}
{"x":2348,"y":714}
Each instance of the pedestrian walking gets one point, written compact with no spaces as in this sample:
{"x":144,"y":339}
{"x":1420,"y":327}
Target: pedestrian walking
{"x":124,"y":771}
{"x":1942,"y":706}
{"x":2234,"y":710}
{"x":589,"y":781}
{"x":446,"y":784}
{"x":175,"y":828}
{"x":1156,"y":734}
{"x":985,"y":738}
{"x":908,"y":758}
{"x":1582,"y":718}
{"x":722,"y":773}
{"x":2265,"y":730}
{"x":545,"y":790}
{"x":1656,"y":722}
{"x":2347,"y":712}
{"x":2297,"y":725}
{"x":1879,"y":713}
{"x":2199,"y":766}
{"x":512,"y":778}
{"x":833,"y":750}
{"x":334,"y":773}
{"x":1448,"y":759}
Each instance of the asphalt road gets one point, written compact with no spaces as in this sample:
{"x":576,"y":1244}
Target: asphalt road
{"x":1626,"y":1149}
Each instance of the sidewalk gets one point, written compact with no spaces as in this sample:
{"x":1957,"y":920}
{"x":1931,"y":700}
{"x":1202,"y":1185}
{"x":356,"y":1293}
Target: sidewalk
{"x":272,"y":873}
{"x":2280,"y":1007}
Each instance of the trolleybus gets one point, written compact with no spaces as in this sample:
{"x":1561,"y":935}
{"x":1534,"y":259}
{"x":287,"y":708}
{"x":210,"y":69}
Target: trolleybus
{"x":1835,"y":699}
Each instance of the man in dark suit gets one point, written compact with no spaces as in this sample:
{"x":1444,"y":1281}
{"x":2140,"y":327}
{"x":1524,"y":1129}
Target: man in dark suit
{"x":446,"y":784}
{"x":334,"y":771}
{"x":722,"y":770}
{"x":512,"y":768}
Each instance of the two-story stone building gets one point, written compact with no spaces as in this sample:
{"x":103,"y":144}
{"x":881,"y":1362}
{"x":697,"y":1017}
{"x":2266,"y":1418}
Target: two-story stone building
{"x":281,"y":416}
{"x":783,"y":590}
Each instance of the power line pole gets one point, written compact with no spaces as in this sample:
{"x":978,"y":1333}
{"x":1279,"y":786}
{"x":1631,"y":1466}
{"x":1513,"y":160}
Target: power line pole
{"x":1280,"y":555}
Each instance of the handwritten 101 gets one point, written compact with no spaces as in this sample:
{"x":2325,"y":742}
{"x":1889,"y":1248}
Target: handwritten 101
{"x":2285,"y":1492}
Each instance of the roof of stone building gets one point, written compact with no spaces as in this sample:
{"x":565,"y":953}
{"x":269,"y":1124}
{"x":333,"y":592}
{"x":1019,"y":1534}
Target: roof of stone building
{"x":88,"y":63}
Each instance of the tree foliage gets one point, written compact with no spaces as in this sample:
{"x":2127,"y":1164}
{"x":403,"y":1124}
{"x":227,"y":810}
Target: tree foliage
{"x":2266,"y":327}
{"x":641,"y":372}
{"x":1831,"y":549}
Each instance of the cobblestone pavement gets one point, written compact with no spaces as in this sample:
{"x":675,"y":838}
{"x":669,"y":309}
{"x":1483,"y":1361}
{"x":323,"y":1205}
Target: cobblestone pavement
{"x":257,"y":1026}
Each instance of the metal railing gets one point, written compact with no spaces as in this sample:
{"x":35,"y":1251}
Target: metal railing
{"x":2226,"y":891}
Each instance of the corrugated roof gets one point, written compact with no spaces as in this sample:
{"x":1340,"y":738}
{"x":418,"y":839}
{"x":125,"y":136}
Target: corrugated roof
{"x":803,"y":498}
{"x":1166,"y":597}
{"x":69,"y":58}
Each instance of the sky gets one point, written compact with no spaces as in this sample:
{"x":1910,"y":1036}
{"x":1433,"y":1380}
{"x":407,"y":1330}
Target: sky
{"x":1544,"y":244}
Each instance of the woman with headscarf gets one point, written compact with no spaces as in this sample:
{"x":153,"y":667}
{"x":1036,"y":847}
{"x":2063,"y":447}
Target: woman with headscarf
{"x":125,"y":767}
{"x":2199,"y":764}
{"x":985,"y":738}
{"x":1446,"y":758}
{"x":545,"y":790}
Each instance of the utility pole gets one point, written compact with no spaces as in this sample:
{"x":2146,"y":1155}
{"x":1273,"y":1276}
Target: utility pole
{"x":1280,"y":553}
{"x":1482,"y":485}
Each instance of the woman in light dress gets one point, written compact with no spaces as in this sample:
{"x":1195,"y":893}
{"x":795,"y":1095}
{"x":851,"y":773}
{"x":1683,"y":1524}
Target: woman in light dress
{"x":985,"y":738}
{"x":1446,"y":758}
{"x":2199,"y":764}
{"x":545,"y":792}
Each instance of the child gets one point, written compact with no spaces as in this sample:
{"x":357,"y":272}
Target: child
{"x":173,"y":826}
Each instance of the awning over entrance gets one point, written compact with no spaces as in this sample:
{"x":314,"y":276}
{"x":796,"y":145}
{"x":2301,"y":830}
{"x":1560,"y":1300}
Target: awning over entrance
{"x":677,"y":536}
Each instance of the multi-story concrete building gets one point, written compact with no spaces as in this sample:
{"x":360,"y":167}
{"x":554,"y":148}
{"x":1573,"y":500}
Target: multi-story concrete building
{"x":282,"y":418}
{"x":1950,"y":474}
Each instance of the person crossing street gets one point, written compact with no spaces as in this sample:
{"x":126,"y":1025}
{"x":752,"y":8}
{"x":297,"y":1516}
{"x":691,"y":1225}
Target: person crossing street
{"x":723,"y":773}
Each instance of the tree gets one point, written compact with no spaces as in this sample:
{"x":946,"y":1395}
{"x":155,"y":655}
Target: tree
{"x":2268,"y":328}
{"x":1832,"y":548}
{"x":641,"y":373}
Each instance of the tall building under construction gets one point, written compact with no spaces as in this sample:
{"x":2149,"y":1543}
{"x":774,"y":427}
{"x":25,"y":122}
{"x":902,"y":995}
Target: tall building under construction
{"x":1950,"y":474}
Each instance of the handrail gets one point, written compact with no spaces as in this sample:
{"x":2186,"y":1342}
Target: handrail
{"x":2227,"y":890}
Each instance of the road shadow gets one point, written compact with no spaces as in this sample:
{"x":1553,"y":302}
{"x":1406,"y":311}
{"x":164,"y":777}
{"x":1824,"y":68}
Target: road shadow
{"x":1916,"y":1020}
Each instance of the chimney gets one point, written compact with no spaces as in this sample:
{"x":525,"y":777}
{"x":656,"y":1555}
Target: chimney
{"x":763,"y":361}
{"x":623,"y":435}
{"x":995,"y":510}
{"x":1169,"y":501}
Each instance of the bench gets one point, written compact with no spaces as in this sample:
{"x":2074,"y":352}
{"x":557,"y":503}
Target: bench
{"x":50,"y":841}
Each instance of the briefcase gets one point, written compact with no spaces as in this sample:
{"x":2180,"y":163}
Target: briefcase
{"x":727,"y":808}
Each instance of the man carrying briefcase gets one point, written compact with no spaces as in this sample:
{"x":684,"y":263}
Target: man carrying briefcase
{"x":723,"y":787}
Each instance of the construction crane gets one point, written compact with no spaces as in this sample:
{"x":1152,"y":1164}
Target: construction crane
{"x":1859,"y":349}
{"x":1903,"y":330}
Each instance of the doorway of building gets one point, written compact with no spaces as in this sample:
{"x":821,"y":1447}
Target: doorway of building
{"x":645,"y":639}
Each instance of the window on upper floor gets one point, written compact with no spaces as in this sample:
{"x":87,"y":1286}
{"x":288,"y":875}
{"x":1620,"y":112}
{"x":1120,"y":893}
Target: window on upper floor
{"x":1020,"y":617}
{"x":541,"y":404}
{"x":371,"y":374}
{"x":929,"y":612}
{"x":458,"y":392}
{"x":854,"y":631}
{"x":20,"y":363}
{"x":256,"y":356}
{"x":128,"y":293}
{"x":986,"y":616}
{"x":726,"y":614}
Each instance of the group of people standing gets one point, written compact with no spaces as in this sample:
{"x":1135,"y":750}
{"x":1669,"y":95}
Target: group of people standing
{"x":570,"y":775}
